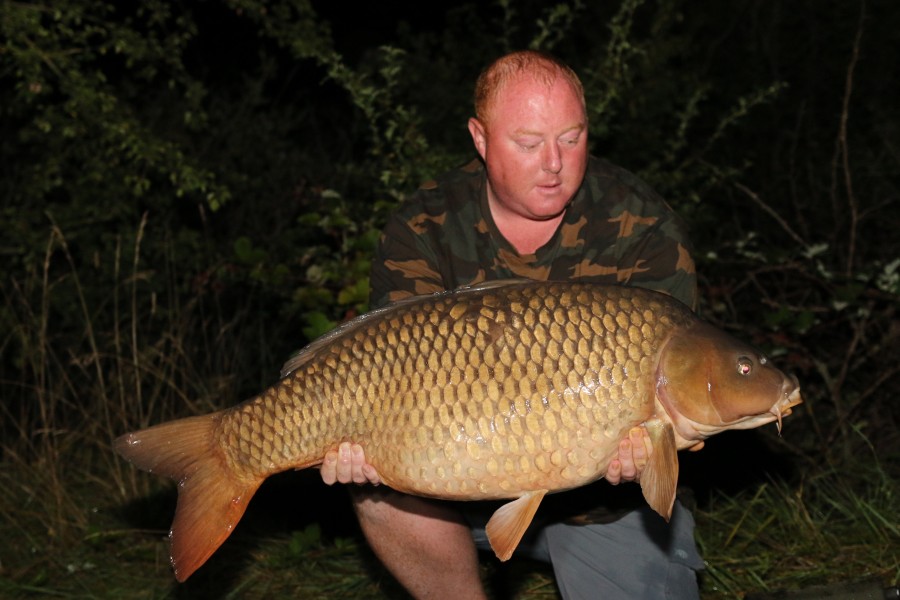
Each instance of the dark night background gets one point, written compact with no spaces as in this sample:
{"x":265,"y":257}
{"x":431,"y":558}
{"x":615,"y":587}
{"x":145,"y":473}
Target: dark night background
{"x":192,"y":190}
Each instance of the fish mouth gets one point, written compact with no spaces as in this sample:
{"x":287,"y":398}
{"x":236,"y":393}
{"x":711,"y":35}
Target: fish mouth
{"x":782,"y":408}
{"x":692,"y":430}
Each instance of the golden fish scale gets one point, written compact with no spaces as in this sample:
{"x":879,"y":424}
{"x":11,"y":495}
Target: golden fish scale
{"x":477,"y":396}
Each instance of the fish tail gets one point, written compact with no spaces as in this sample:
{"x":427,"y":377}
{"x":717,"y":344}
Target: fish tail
{"x":211,"y":496}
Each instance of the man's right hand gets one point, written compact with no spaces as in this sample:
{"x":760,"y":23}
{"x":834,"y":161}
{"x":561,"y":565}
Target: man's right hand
{"x":348,"y":464}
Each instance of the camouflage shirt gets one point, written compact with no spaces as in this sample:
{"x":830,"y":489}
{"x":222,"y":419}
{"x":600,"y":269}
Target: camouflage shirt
{"x":616,"y":230}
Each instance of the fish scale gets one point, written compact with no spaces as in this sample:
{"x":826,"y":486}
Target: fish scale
{"x":504,"y":390}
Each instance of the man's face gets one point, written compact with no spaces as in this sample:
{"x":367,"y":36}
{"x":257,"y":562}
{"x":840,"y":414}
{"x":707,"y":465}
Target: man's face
{"x":534,"y":144}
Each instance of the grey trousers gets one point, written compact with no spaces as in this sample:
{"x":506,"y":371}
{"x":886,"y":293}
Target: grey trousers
{"x":638,"y":556}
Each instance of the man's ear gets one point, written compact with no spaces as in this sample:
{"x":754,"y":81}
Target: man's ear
{"x":479,"y":136}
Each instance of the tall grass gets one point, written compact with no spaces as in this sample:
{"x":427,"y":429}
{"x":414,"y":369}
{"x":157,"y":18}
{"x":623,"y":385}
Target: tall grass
{"x":78,"y":522}
{"x":829,"y":527}
{"x":70,"y":388}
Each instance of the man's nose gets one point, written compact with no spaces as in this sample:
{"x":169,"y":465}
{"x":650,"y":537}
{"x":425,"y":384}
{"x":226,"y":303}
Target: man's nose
{"x":552,"y":158}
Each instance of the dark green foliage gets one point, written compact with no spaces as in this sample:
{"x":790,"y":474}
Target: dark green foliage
{"x":192,"y":191}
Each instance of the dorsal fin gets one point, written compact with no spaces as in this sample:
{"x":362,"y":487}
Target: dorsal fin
{"x":494,"y":284}
{"x":348,"y":327}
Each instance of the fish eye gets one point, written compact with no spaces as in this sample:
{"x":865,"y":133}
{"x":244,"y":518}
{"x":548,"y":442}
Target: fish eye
{"x":744,"y":365}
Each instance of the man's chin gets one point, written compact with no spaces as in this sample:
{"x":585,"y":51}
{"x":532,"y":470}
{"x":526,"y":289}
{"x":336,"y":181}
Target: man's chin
{"x":549,"y":206}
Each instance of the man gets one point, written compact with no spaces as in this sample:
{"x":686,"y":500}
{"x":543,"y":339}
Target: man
{"x":534,"y":206}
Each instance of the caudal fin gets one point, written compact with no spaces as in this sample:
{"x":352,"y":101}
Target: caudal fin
{"x":211,"y":498}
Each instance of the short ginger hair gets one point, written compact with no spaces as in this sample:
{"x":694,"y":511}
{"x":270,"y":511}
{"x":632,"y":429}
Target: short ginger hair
{"x":540,"y":65}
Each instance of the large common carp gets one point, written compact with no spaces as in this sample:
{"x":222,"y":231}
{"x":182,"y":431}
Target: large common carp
{"x":503,"y":390}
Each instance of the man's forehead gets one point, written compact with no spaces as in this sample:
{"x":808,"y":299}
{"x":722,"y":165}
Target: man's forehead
{"x":534,"y":95}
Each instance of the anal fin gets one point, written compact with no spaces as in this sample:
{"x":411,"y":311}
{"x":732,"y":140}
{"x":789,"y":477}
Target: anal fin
{"x":508,"y":524}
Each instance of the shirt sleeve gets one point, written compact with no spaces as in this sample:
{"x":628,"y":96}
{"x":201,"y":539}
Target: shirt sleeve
{"x":404,"y":265}
{"x":658,"y":256}
{"x":648,"y":245}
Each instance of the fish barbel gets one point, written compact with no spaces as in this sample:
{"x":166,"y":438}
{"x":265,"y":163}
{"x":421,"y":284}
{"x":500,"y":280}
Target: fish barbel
{"x":506,"y":390}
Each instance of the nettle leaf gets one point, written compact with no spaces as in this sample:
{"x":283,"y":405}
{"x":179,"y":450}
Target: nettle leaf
{"x":318,"y":324}
{"x":247,"y":253}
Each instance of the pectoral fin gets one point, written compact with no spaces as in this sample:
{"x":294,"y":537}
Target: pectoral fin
{"x":508,"y":524}
{"x":659,"y":478}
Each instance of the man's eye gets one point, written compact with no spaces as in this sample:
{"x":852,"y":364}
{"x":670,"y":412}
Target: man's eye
{"x":528,"y":142}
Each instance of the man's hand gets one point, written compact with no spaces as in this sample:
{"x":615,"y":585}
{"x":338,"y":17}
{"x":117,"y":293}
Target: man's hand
{"x":634,"y":452}
{"x":348,"y":464}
